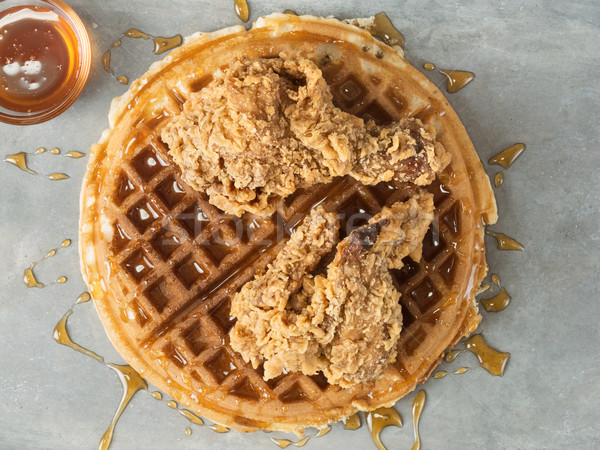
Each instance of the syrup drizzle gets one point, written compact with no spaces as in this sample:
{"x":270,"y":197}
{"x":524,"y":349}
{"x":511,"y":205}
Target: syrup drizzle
{"x":130,"y":380}
{"x":19,"y":160}
{"x":379,"y":419}
{"x":416,"y":410}
{"x":241,"y":9}
{"x":384,"y":29}
{"x":440,"y":374}
{"x":284,"y":443}
{"x":505,"y":242}
{"x":505,"y":159}
{"x":489,"y":358}
{"x":455,"y":79}
{"x":29,"y":277}
{"x":161,"y":45}
{"x":352,"y":422}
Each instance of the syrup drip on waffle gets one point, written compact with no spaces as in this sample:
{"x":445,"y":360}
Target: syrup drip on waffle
{"x":284,"y":443}
{"x":29,"y":277}
{"x":416,"y":410}
{"x":498,"y":302}
{"x":19,"y":160}
{"x":505,"y":159}
{"x":379,"y":419}
{"x":455,"y":79}
{"x":505,"y":242}
{"x":189,"y":415}
{"x":384,"y":29}
{"x":161,"y":45}
{"x":241,"y":10}
{"x":352,"y":422}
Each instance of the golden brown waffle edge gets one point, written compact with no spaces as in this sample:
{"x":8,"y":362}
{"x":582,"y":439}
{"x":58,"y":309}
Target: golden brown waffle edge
{"x":181,"y":345}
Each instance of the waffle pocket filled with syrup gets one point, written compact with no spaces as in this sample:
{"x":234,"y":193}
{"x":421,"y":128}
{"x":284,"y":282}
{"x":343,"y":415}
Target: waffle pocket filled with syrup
{"x":162,"y":263}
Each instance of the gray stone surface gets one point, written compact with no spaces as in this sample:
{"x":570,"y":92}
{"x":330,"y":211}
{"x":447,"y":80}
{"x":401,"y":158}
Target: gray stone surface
{"x":537,"y":66}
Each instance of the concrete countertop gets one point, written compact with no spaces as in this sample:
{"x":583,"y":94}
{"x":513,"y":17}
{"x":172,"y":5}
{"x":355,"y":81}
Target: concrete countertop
{"x":536,"y":66}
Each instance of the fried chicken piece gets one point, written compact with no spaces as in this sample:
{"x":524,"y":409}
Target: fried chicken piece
{"x":346,"y":324}
{"x":264,"y":128}
{"x":268,"y":327}
{"x":359,"y":297}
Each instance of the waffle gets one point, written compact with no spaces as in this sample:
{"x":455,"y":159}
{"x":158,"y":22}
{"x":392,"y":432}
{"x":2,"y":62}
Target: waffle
{"x":162,"y":263}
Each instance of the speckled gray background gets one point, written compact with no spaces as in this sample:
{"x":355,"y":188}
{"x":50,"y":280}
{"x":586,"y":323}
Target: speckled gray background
{"x":537,"y":66}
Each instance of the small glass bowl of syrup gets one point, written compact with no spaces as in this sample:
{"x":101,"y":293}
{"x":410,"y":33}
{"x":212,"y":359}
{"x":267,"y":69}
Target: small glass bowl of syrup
{"x":45,"y":58}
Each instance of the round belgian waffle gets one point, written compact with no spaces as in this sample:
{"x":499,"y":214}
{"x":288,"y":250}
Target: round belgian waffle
{"x":162,"y":263}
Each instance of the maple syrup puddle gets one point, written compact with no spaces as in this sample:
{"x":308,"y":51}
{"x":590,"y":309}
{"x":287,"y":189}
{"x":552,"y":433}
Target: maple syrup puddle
{"x":505,"y":159}
{"x":29,"y":277}
{"x":416,"y":410}
{"x":284,"y":443}
{"x":19,"y":160}
{"x":505,"y":242}
{"x":241,"y":9}
{"x":379,"y":419}
{"x":161,"y":45}
{"x":455,"y":79}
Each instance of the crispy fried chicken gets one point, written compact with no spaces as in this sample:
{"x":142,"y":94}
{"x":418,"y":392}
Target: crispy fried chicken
{"x":263,"y":128}
{"x":345,"y":324}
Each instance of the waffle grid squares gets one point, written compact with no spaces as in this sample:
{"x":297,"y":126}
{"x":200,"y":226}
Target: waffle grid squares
{"x":184,"y":317}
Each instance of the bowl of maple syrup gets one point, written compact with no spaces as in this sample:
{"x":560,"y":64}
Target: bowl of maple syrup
{"x":45,"y":58}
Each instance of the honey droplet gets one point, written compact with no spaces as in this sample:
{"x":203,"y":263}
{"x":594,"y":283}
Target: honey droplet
{"x":416,"y":410}
{"x":20,"y":160}
{"x":490,"y":359}
{"x":55,"y":151}
{"x":284,"y":443}
{"x":461,"y":370}
{"x":352,"y":422}
{"x":497,"y":303}
{"x":451,"y":355}
{"x":290,"y":12}
{"x":241,"y":10}
{"x":429,"y":66}
{"x":188,"y":431}
{"x":193,"y":418}
{"x":456,"y":79}
{"x":39,"y":151}
{"x":74,"y":155}
{"x":505,"y":242}
{"x":496,"y":279}
{"x":499,"y":179}
{"x":65,"y":243}
{"x":161,"y":45}
{"x":440,"y":374}
{"x":58,"y":176}
{"x":219,"y":428}
{"x":157,"y":395}
{"x":172,"y":404}
{"x":29,"y":278}
{"x":84,"y":297}
{"x":508,"y":156}
{"x":379,"y":419}
{"x":61,"y":280}
{"x":384,"y":29}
